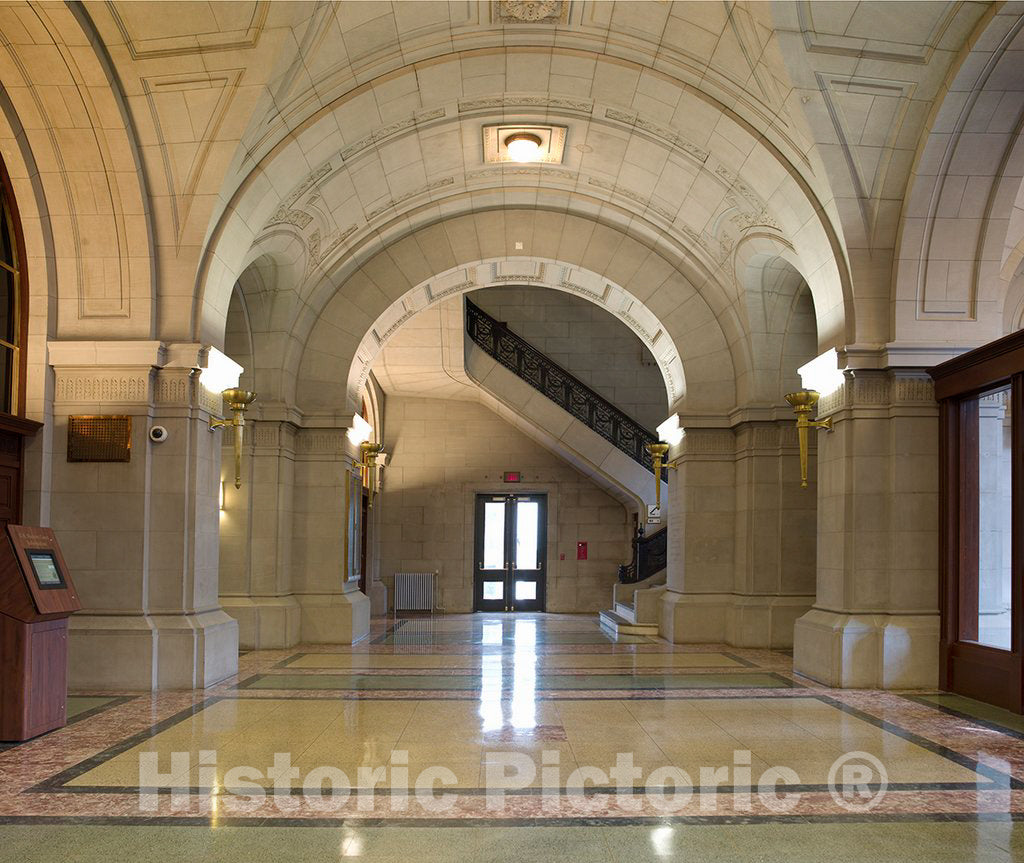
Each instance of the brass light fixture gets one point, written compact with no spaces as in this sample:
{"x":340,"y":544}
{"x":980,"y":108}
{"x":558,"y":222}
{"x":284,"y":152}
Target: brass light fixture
{"x":803,"y":403}
{"x":370,"y":452}
{"x":658,"y":452}
{"x":523,"y":146}
{"x":238,"y":400}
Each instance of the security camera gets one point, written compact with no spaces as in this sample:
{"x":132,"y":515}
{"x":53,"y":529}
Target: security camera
{"x":158,"y":434}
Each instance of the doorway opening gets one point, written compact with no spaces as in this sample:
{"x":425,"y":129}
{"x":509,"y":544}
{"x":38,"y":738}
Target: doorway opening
{"x":510,"y":552}
{"x":981,"y":394}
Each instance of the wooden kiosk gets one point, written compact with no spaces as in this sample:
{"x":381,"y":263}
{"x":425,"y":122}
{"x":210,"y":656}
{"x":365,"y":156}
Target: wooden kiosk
{"x":36,"y":599}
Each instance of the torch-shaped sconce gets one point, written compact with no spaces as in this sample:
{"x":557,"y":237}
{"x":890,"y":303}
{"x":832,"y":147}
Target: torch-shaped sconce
{"x":803,"y":403}
{"x":238,"y":400}
{"x":370,"y":452}
{"x":658,"y":452}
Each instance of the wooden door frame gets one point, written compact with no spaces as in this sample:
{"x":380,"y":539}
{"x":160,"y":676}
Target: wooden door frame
{"x":975,"y":670}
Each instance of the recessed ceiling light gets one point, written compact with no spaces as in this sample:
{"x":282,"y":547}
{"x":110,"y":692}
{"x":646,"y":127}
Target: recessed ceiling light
{"x":523,"y":146}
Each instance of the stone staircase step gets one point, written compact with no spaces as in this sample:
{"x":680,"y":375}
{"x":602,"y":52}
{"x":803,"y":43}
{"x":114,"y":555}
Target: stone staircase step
{"x":626,"y":610}
{"x":618,"y":624}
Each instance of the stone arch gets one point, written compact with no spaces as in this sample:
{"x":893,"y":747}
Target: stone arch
{"x":962,"y":225}
{"x":701,"y":327}
{"x":758,"y":187}
{"x":555,"y":275}
{"x":86,"y":171}
{"x":774,"y":300}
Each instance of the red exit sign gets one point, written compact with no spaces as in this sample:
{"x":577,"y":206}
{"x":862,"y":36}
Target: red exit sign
{"x":511,"y":476}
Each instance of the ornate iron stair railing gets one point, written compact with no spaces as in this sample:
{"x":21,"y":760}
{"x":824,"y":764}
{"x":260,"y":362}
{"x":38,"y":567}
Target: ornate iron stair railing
{"x":568,"y":392}
{"x":650,"y":555}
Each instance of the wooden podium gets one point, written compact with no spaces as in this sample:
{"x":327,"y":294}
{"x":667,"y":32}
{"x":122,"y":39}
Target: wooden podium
{"x":36,"y":599}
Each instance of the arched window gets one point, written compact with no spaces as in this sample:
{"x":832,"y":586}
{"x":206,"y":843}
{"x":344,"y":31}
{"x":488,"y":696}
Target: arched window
{"x":13,"y":302}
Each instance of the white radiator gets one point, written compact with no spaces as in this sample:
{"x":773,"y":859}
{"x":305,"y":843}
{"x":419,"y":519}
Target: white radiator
{"x":414,"y":591}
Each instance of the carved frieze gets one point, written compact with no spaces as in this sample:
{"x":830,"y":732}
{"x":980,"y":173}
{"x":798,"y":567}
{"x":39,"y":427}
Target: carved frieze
{"x":103,"y":386}
{"x":531,"y":11}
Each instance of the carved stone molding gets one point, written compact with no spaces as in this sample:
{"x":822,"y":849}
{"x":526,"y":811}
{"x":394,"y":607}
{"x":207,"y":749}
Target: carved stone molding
{"x":172,"y":389}
{"x":582,"y":106}
{"x":382,"y":132}
{"x":691,"y":149}
{"x":708,"y":442}
{"x":878,"y":389}
{"x":326,"y":442}
{"x":120,"y":387}
{"x":531,"y":11}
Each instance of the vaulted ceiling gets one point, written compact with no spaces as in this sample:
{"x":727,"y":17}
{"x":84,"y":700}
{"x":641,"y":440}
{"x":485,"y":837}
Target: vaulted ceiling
{"x":184,"y":143}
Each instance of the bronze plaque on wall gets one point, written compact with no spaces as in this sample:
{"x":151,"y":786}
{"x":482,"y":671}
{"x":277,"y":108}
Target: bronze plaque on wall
{"x":100,"y":438}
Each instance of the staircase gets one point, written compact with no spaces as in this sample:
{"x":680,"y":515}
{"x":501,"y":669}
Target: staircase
{"x":559,"y":386}
{"x":636,"y":599}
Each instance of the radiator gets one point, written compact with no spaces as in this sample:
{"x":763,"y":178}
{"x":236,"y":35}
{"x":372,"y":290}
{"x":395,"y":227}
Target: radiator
{"x":414,"y":591}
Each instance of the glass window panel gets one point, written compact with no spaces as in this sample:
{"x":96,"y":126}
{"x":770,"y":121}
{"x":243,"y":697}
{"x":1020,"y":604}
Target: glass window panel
{"x":8,"y":287}
{"x":494,"y":590}
{"x":526,"y":590}
{"x":527,"y":530}
{"x":7,"y":246}
{"x":6,"y":379}
{"x":494,"y":534}
{"x":994,"y":518}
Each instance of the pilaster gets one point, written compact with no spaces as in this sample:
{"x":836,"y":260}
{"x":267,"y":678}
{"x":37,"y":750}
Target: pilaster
{"x":326,"y":554}
{"x":875,"y":621}
{"x":740,"y":564}
{"x":141,"y":536}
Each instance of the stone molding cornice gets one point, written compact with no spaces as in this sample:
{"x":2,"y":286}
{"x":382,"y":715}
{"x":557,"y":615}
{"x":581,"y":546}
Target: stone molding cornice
{"x":880,"y":391}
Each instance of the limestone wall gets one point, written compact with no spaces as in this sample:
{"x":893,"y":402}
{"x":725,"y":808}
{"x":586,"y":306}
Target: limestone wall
{"x":444,"y":452}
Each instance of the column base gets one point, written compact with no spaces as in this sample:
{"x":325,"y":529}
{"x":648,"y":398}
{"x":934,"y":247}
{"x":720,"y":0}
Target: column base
{"x":149,"y":652}
{"x":264,"y":622}
{"x":740,"y":620}
{"x":868,"y":651}
{"x":378,"y":594}
{"x":334,"y":618}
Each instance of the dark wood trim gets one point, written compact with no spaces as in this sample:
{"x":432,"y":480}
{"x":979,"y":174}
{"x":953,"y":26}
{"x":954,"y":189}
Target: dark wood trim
{"x":981,"y":368}
{"x":19,"y":241}
{"x":977,"y":670}
{"x":19,"y":425}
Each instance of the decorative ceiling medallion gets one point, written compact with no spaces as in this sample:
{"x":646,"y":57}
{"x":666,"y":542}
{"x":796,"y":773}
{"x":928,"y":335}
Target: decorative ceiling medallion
{"x":531,"y":11}
{"x":551,"y":148}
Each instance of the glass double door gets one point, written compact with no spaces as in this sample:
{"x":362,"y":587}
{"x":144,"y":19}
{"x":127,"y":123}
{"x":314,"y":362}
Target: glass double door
{"x":511,"y":550}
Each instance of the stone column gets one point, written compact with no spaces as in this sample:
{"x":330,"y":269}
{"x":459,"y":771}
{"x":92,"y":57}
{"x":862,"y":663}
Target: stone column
{"x":257,"y":523}
{"x":875,"y":621}
{"x":325,"y":551}
{"x":141,"y":536}
{"x":774,"y":577}
{"x":741,"y":550}
{"x":701,"y":517}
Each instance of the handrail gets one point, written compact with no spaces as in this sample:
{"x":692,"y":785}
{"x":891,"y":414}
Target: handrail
{"x":650,"y":555}
{"x":562,"y":387}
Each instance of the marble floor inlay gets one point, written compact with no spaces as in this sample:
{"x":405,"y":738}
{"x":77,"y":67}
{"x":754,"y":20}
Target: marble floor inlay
{"x":479,"y":724}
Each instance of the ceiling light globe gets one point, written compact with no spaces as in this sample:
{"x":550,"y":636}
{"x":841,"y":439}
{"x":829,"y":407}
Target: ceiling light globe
{"x":523,"y":147}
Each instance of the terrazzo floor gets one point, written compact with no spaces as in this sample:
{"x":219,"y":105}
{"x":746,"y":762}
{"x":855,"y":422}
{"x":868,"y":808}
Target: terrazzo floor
{"x":517,"y":737}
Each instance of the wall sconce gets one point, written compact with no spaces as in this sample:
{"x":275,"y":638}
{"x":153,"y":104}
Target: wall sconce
{"x":803,"y":402}
{"x":222,"y":495}
{"x":238,"y":400}
{"x":370,"y":452}
{"x":658,"y":452}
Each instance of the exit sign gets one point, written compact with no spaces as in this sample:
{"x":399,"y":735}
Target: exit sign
{"x":511,"y":476}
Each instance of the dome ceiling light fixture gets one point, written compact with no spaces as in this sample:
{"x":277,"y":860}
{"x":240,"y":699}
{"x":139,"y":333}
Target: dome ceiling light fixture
{"x":524,"y":143}
{"x":523,"y":146}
